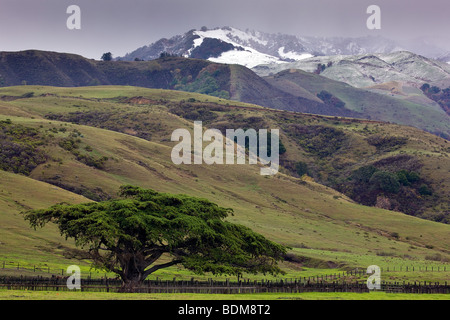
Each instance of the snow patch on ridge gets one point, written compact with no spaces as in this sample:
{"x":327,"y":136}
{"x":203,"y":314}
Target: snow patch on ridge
{"x":230,"y":35}
{"x":293,"y":55}
{"x":246,"y":58}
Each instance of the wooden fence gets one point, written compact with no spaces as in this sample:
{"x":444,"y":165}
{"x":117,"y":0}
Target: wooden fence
{"x":213,"y":286}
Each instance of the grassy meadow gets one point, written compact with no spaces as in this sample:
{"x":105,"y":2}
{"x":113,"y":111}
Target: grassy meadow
{"x":130,"y":127}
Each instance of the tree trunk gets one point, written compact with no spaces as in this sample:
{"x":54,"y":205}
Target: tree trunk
{"x":131,"y":285}
{"x":132,"y":277}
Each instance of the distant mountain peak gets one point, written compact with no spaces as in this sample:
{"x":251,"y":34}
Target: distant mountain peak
{"x":250,"y":47}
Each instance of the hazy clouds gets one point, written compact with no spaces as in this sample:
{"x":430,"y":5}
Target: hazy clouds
{"x":122,"y":26}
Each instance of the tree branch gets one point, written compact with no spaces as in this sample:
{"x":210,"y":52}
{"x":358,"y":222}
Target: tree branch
{"x":161,"y":266}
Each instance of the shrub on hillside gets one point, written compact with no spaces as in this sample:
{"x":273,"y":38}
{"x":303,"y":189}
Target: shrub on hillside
{"x":386,"y":143}
{"x":20,"y":148}
{"x":321,"y":141}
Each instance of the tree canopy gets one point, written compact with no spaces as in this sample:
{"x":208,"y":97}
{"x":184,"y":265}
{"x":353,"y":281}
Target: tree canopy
{"x":107,"y":56}
{"x":129,"y":235}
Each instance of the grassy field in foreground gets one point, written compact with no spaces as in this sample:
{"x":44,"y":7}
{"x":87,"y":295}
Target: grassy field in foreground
{"x":52,"y":295}
{"x":327,"y":231}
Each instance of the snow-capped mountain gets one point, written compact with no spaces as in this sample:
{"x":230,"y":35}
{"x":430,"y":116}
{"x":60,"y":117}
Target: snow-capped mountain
{"x":444,"y":57}
{"x":251,"y":48}
{"x":371,"y":69}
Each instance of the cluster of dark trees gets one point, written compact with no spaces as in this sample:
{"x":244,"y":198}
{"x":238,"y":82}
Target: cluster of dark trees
{"x":321,"y":67}
{"x":404,"y":190}
{"x":321,"y":141}
{"x":441,"y":96}
{"x":330,"y":100}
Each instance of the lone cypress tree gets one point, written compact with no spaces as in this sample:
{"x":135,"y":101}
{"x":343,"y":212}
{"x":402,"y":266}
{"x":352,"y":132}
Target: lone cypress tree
{"x":128,"y":236}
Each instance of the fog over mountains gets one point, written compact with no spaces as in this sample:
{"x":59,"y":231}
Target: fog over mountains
{"x":251,"y":48}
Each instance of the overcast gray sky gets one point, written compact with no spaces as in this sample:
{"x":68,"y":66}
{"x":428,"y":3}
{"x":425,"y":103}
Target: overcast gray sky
{"x":121,"y":26}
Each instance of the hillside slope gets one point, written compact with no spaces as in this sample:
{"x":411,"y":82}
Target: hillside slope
{"x":19,"y":243}
{"x":367,"y":104}
{"x":194,"y":75}
{"x":95,"y":139}
{"x":331,"y":148}
{"x":225,"y":81}
{"x":369,"y":69}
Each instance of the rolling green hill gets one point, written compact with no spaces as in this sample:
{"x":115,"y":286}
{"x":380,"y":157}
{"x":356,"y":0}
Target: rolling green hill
{"x":402,"y":109}
{"x":34,"y":67}
{"x":291,"y":90}
{"x":91,"y":140}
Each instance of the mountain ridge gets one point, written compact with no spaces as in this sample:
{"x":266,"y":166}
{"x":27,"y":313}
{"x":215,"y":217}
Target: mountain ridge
{"x":234,"y":82}
{"x":263,"y":47}
{"x":196,"y":75}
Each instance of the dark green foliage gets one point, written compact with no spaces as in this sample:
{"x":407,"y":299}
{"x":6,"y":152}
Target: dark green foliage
{"x":301,"y":168}
{"x":281,"y":147}
{"x":395,"y":235}
{"x":198,"y":112}
{"x":212,"y":48}
{"x":320,"y":68}
{"x":402,"y":178}
{"x":129,"y":235}
{"x":115,"y":121}
{"x":386,"y":143}
{"x":363,"y":174}
{"x":442,"y":97}
{"x":330,"y":100}
{"x":73,"y":145}
{"x":425,"y":190}
{"x":425,"y":87}
{"x":167,"y":55}
{"x":205,"y":83}
{"x":324,"y":95}
{"x":401,"y":187}
{"x":434,"y":90}
{"x":28,"y":95}
{"x":20,"y":150}
{"x":69,"y":144}
{"x":385,"y":181}
{"x":107,"y":56}
{"x":407,"y":178}
{"x":268,"y":148}
{"x":398,"y":163}
{"x":95,"y":194}
{"x":91,"y":161}
{"x":321,"y":141}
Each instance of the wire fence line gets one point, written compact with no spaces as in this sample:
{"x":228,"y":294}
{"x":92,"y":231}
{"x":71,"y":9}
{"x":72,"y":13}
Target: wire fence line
{"x":57,"y":283}
{"x":342,"y":281}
